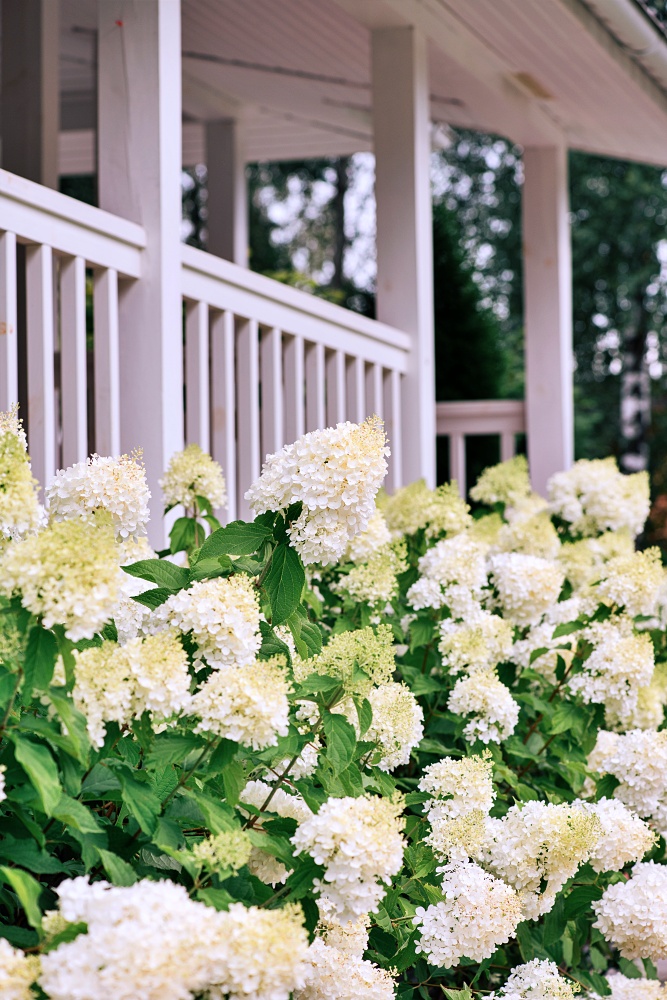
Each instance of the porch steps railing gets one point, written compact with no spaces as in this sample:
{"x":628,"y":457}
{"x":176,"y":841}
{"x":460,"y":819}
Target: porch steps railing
{"x":458,"y":421}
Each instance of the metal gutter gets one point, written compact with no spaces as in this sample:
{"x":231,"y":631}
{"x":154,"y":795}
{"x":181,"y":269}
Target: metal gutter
{"x":642,"y":37}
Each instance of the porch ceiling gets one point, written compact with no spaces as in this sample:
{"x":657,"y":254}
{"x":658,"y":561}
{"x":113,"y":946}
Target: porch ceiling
{"x":298,"y":72}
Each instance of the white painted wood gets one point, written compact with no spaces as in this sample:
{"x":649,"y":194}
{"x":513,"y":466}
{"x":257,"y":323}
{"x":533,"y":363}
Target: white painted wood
{"x":227,"y":203}
{"x":547,"y":313}
{"x":457,"y":461}
{"x":294,"y":380}
{"x":197,"y":376}
{"x":374,"y":390}
{"x":247,"y":397}
{"x":107,"y":364}
{"x":404,"y":235}
{"x":481,"y":416}
{"x":271,"y":361}
{"x":139,"y":154}
{"x":41,"y":387}
{"x":73,"y":361}
{"x":393,"y":428}
{"x":335,"y":372}
{"x":223,"y":404}
{"x":30,"y":89}
{"x":315,"y":387}
{"x":9,"y":376}
{"x":355,"y":390}
{"x":507,"y":447}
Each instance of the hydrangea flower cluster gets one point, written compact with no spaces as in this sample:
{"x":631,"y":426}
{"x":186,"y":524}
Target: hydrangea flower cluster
{"x":507,"y":483}
{"x":415,"y":507}
{"x":638,"y":760}
{"x":333,"y":975}
{"x":359,"y":842}
{"x":115,"y":485}
{"x":397,"y":725}
{"x":632,"y":915}
{"x":192,"y":473}
{"x":593,"y":496}
{"x":18,"y":972}
{"x":479,"y":913}
{"x":20,"y":512}
{"x":369,"y":650}
{"x":634,"y":582}
{"x":230,"y":849}
{"x":624,"y":838}
{"x":531,"y":536}
{"x":223,"y":616}
{"x":335,"y":475}
{"x":480,"y":642}
{"x":623,"y":988}
{"x":527,"y":585}
{"x":494,"y":711}
{"x":536,"y":980}
{"x":68,"y":574}
{"x":375,"y":538}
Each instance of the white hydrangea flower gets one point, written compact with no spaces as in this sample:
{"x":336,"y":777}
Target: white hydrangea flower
{"x":537,"y":846}
{"x":478,"y":914}
{"x":116,"y":485}
{"x":460,"y":786}
{"x":374,"y":582}
{"x":18,"y":972}
{"x":372,"y":650}
{"x":130,"y":617}
{"x":624,"y":837}
{"x":533,"y":536}
{"x":68,"y":573}
{"x":288,"y":805}
{"x":119,"y":683}
{"x":479,"y":643}
{"x":440,"y":512}
{"x":632,"y":915}
{"x":352,"y":939}
{"x":527,"y":585}
{"x":425,"y":593}
{"x":397,"y":725}
{"x":334,"y":975}
{"x":376,"y":536}
{"x":459,"y":838}
{"x":634,"y":582}
{"x":20,"y":511}
{"x":506,"y":483}
{"x":359,"y":842}
{"x":622,"y":662}
{"x":638,"y":760}
{"x":192,"y":473}
{"x":229,"y":849}
{"x":493,"y":709}
{"x":335,"y":474}
{"x":247,"y":704}
{"x":459,"y":560}
{"x":223,"y":616}
{"x":593,"y":496}
{"x":623,"y":988}
{"x":536,"y":980}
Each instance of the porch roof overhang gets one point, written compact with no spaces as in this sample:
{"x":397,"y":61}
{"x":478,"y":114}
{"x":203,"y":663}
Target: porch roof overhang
{"x":298,"y":73}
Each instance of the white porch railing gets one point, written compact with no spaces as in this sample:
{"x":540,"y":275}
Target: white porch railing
{"x":265,"y":362}
{"x":43,"y":291}
{"x":457,"y":421}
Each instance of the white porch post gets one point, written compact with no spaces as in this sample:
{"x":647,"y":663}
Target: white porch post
{"x":547,"y":281}
{"x":404,"y":228}
{"x":139,"y":178}
{"x":227,"y":191}
{"x":30,"y":89}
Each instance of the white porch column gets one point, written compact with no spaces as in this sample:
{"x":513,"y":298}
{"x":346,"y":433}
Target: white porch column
{"x":547,"y":282}
{"x":139,"y":178}
{"x":30,"y":89}
{"x":404,"y":228}
{"x":227,"y":191}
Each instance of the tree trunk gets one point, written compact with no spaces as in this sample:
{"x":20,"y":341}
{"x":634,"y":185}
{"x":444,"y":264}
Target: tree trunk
{"x":635,"y":395}
{"x":338,"y":208}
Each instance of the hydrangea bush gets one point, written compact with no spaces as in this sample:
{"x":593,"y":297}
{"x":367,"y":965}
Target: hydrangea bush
{"x":364,"y":746}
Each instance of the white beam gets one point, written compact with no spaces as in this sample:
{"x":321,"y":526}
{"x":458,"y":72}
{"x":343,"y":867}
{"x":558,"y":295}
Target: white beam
{"x":227,"y":191}
{"x":547,"y":281}
{"x":139,"y":155}
{"x":30,"y":87}
{"x":404,"y":228}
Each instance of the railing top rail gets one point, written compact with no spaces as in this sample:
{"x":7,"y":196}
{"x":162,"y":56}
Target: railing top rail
{"x":297,"y":301}
{"x":481,"y":416}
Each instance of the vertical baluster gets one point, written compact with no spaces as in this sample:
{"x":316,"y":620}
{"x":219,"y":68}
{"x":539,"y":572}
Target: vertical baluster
{"x":271,"y":360}
{"x":41,"y":386}
{"x":356,"y":402}
{"x":394,"y":427}
{"x":294,"y":386}
{"x":107,"y":363}
{"x":9,"y":368}
{"x":457,"y":461}
{"x":315,"y":387}
{"x":198,"y":414}
{"x":374,"y":401}
{"x":223,"y":402}
{"x":335,"y":388}
{"x":73,"y":360}
{"x":507,"y":446}
{"x":247,"y":395}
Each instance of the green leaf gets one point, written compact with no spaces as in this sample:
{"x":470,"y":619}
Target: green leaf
{"x":307,"y":636}
{"x":75,"y":733}
{"x":140,"y":799}
{"x":28,"y":891}
{"x":567,"y":718}
{"x":172,"y":748}
{"x":160,"y":571}
{"x":41,"y":769}
{"x":153,"y":598}
{"x":579,"y":900}
{"x":567,"y":628}
{"x":236,"y":539}
{"x":364,"y":714}
{"x":233,"y":778}
{"x":183,"y":535}
{"x":76,"y":815}
{"x":271,"y":644}
{"x":341,"y":741}
{"x":284,"y":583}
{"x":463,"y":994}
{"x":218,"y":816}
{"x":40,"y":659}
{"x":118,"y":870}
{"x":26,"y":854}
{"x":317,"y":684}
